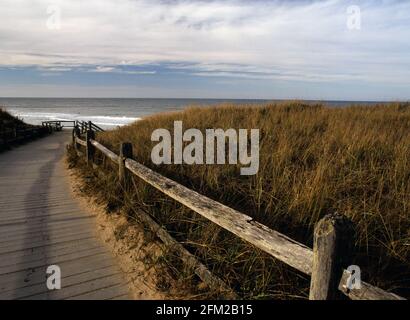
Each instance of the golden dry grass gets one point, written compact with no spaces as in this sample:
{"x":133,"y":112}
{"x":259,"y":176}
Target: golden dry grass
{"x":313,"y":160}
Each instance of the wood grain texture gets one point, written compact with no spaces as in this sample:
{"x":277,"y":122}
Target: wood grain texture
{"x":111,"y":155}
{"x":332,"y":248}
{"x":276,"y":244}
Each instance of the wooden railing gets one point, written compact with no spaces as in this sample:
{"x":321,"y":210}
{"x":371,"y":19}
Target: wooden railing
{"x":89,"y":125}
{"x":58,"y":125}
{"x":83,"y":126}
{"x":333,"y":236}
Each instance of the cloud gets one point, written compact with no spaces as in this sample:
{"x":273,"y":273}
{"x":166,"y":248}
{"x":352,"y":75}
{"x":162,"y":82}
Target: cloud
{"x":54,"y":69}
{"x":290,"y":40}
{"x":108,"y":69}
{"x":103,"y":69}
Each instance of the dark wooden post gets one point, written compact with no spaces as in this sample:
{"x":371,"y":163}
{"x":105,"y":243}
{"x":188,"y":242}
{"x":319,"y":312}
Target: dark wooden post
{"x":89,"y":125}
{"x":77,"y":133}
{"x":73,"y":134}
{"x":125,"y":152}
{"x":332,"y":247}
{"x":90,"y":148}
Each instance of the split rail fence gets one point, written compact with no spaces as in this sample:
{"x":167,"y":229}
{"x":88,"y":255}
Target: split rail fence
{"x":333,"y":235}
{"x":20,"y":133}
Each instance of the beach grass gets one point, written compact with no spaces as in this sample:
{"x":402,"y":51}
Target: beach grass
{"x":314,"y":160}
{"x":8,"y":121}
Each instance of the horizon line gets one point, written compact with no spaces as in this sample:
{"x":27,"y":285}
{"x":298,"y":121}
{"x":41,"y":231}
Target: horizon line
{"x":195,"y":98}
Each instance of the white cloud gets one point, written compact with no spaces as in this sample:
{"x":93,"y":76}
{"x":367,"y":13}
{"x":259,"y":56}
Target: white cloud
{"x":103,"y":69}
{"x":305,"y":40}
{"x":108,"y":69}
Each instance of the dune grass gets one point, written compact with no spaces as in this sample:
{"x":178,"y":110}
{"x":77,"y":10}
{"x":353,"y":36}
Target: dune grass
{"x":8,"y":121}
{"x":314,"y":160}
{"x":14,"y":131}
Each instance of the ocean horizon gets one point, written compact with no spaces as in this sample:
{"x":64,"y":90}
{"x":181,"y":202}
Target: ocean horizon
{"x":113,"y":112}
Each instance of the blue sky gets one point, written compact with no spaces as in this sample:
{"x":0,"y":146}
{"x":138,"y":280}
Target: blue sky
{"x":211,"y":49}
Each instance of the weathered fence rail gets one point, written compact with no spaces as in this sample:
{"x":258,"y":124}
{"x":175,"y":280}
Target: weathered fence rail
{"x":333,"y":235}
{"x":111,"y":155}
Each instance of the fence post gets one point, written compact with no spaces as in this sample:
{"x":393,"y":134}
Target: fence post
{"x":77,"y":133}
{"x":90,"y":148}
{"x":73,"y":134}
{"x":125,"y":152}
{"x":332,"y":248}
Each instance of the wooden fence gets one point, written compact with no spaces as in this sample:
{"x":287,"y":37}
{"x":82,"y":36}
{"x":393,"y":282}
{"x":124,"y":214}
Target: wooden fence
{"x":333,"y":235}
{"x":19,"y":133}
{"x":83,"y":126}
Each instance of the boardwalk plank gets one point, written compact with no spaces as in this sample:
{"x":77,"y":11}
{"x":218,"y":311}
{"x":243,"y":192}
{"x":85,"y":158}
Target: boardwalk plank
{"x":106,"y":293}
{"x":48,"y":260}
{"x":18,"y":280}
{"x":48,"y":254}
{"x":40,"y":288}
{"x":93,"y":289}
{"x":54,"y":249}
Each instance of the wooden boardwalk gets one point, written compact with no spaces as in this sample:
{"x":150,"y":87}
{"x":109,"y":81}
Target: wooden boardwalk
{"x":42,"y":225}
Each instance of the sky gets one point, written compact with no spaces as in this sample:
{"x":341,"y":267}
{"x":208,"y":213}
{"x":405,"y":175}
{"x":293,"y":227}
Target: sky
{"x":301,"y":49}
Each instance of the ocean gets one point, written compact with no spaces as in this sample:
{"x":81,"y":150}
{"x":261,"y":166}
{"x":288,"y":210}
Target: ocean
{"x":109,"y":113}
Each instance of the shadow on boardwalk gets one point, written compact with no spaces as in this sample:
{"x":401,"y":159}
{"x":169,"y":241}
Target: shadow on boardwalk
{"x":37,"y":222}
{"x":41,"y":225}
